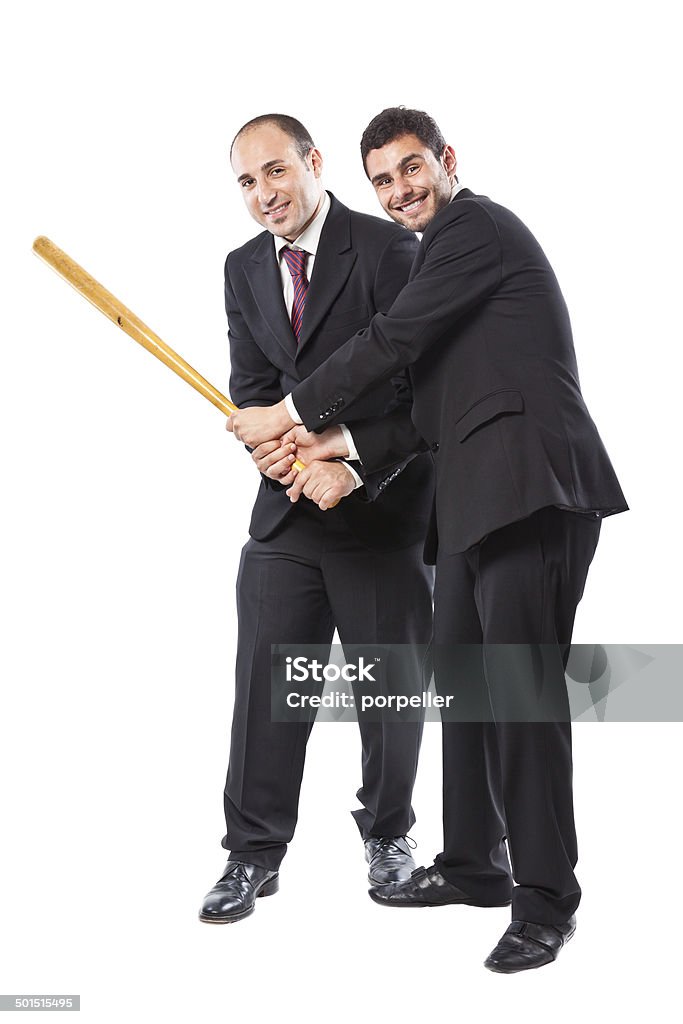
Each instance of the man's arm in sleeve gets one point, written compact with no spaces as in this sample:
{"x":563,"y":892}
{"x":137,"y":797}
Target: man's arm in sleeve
{"x":462,"y":267}
{"x":386,"y":442}
{"x":390,"y":440}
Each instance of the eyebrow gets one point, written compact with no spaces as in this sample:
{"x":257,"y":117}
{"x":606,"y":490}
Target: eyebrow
{"x":400,"y":165}
{"x":264,"y":167}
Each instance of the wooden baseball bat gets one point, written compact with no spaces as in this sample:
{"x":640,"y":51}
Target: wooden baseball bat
{"x":124,"y":318}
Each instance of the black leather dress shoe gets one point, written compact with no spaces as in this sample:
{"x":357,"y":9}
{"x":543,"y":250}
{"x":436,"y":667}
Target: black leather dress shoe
{"x":427,"y":887}
{"x":390,"y":860}
{"x":232,"y":897}
{"x":526,"y":945}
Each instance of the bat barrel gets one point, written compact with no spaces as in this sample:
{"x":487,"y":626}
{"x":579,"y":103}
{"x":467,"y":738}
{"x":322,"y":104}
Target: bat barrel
{"x":131,"y":324}
{"x":124,"y":318}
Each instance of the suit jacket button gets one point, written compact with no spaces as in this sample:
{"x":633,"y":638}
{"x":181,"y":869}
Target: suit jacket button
{"x":435,"y":446}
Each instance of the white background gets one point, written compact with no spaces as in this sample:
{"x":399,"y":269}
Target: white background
{"x":125,"y":503}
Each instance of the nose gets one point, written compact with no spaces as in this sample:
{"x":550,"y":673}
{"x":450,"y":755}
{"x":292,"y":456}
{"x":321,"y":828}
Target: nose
{"x":403,"y":190}
{"x":265,"y":193}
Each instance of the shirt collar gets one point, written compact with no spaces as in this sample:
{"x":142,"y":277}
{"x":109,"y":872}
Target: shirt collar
{"x":309,"y":239}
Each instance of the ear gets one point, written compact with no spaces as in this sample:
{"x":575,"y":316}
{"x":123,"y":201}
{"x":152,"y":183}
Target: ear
{"x":316,"y":158}
{"x":449,"y":162}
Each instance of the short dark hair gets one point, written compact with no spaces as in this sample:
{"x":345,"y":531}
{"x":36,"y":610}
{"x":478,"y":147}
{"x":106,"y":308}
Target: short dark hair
{"x":394,"y":122}
{"x":289,"y":125}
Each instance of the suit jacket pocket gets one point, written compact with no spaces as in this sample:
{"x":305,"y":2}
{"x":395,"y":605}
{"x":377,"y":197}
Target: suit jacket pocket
{"x":350,"y":316}
{"x":487,"y":409}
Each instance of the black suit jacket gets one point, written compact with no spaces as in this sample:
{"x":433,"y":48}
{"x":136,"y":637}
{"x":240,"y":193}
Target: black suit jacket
{"x":361,"y":265}
{"x":485,"y":330}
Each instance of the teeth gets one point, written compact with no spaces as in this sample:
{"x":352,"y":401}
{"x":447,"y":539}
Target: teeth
{"x":411,"y":206}
{"x":278,"y":209}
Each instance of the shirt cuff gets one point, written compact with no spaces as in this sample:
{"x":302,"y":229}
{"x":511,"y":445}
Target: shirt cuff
{"x":350,"y":444}
{"x":291,"y":409}
{"x":359,"y":482}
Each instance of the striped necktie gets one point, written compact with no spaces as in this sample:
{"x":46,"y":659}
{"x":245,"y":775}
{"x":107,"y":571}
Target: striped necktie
{"x":296,"y":262}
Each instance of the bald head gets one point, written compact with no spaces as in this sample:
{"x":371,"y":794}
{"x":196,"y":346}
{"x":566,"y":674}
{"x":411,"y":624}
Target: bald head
{"x":300,"y":136}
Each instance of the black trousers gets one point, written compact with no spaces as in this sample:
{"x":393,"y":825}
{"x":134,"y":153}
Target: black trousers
{"x":294,"y":589}
{"x":506,"y":778}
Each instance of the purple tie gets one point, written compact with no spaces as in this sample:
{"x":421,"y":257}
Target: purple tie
{"x":296,"y":261}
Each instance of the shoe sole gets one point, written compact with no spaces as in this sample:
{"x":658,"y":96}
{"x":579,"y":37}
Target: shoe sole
{"x":269,"y":889}
{"x":416,"y":903}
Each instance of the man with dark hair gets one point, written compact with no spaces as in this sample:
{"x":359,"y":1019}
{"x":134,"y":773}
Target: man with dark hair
{"x":292,"y":295}
{"x":522,"y":484}
{"x":398,"y":121}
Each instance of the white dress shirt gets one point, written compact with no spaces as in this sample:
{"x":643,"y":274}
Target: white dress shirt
{"x":308,"y":240}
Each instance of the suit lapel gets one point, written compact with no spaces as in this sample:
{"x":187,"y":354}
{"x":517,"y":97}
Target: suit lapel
{"x":263,"y":275}
{"x":333,"y":263}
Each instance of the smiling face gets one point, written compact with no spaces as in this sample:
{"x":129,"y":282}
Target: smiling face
{"x":411,"y":184}
{"x":282,"y":190}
